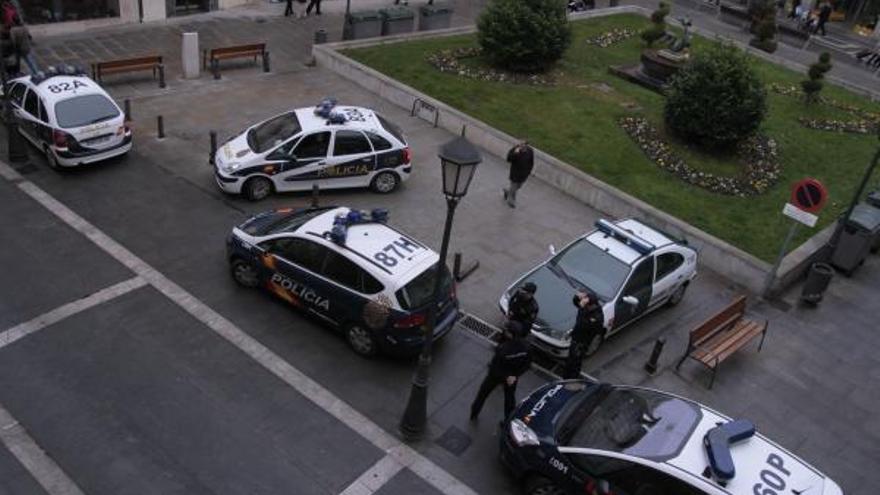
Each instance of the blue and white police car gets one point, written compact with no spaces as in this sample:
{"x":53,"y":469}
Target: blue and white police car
{"x":68,"y":117}
{"x":329,"y":146}
{"x":631,"y":267}
{"x":582,"y":437}
{"x":348,"y":268}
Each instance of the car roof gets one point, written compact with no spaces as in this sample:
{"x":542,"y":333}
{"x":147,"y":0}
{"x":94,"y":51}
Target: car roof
{"x":358,"y":118}
{"x":364,"y":240}
{"x":751,"y":456}
{"x":79,"y":85}
{"x":642,"y":239}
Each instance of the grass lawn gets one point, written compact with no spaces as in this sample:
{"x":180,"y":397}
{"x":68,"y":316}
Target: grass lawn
{"x":576,"y":122}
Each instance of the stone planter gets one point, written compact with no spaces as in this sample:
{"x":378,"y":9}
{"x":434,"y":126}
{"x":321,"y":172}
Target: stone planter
{"x":657,"y":67}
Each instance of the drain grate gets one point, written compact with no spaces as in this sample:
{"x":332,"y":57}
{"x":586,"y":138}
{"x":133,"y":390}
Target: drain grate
{"x":475,"y":325}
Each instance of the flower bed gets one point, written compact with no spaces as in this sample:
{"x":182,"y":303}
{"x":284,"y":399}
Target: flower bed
{"x":609,"y":38}
{"x":758,"y":152}
{"x":449,"y":61}
{"x":868,"y":123}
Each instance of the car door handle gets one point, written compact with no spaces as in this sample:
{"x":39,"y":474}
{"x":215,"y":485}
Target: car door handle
{"x":321,"y":163}
{"x":366,"y":160}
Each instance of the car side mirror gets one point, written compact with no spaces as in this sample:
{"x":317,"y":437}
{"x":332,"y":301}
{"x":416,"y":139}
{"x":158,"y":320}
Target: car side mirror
{"x":631,"y":300}
{"x":552,"y":249}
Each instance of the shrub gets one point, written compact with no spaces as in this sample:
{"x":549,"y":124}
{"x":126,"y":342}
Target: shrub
{"x":816,"y":73}
{"x":763,"y":13}
{"x":524,"y":35}
{"x":715,"y":100}
{"x":658,"y":25}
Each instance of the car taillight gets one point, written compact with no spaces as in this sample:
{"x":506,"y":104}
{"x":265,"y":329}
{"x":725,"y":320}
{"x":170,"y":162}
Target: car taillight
{"x":410,"y":321}
{"x":60,"y":138}
{"x":407,"y":155}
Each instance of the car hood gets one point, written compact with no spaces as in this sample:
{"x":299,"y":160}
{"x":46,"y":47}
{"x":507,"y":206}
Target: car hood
{"x":556,"y":314}
{"x":236,"y":150}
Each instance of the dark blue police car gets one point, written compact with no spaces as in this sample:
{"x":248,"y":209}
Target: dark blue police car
{"x":348,"y":268}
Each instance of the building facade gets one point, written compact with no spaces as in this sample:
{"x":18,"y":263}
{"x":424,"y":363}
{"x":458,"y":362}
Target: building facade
{"x":59,"y":16}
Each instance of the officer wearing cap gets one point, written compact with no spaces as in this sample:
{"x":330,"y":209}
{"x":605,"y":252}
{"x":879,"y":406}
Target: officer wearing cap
{"x":523,"y":308}
{"x":589,"y":325}
{"x":510,"y":361}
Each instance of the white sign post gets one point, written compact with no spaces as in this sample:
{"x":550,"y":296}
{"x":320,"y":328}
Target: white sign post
{"x":800,"y":217}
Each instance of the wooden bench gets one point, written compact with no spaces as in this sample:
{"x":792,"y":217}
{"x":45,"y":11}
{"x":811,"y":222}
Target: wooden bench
{"x":213,"y":56}
{"x":723,"y":334}
{"x":148,"y":62}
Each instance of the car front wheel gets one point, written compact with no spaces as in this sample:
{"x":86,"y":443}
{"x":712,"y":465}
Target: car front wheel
{"x":361,"y":340}
{"x":384,"y":182}
{"x":245,"y":274}
{"x":51,"y":159}
{"x":539,"y":485}
{"x":257,"y":188}
{"x":593,"y":345}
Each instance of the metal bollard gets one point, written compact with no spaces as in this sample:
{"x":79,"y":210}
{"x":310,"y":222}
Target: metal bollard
{"x":456,"y":266}
{"x":161,"y":76}
{"x":320,"y":37}
{"x":651,"y":365}
{"x":127,"y":109}
{"x":160,"y":127}
{"x":215,"y":69}
{"x":266,"y":66}
{"x":213,"y":135}
{"x":315,"y":191}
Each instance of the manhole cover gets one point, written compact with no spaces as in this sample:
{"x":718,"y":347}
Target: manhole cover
{"x":454,"y":440}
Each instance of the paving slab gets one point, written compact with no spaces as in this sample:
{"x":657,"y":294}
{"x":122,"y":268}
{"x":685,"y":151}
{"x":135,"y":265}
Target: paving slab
{"x":14,"y":478}
{"x":406,"y":483}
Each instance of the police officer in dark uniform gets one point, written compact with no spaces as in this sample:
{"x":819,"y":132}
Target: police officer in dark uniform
{"x":590,"y":323}
{"x":510,"y":361}
{"x":523,"y":307}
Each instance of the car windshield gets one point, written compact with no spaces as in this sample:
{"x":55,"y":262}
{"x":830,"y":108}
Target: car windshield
{"x":84,"y":110}
{"x":273,"y":132}
{"x":592,"y":267}
{"x":636,"y":422}
{"x":419,"y":291}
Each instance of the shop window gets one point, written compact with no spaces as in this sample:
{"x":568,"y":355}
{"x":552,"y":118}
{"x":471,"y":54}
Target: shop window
{"x":45,"y":11}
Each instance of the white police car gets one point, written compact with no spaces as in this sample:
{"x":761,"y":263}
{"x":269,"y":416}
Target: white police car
{"x":328,"y":145}
{"x":586,"y":438}
{"x":632,"y":268}
{"x":69,"y":117}
{"x":348,"y":268}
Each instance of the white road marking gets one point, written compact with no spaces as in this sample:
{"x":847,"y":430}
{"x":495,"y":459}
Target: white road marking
{"x":323,"y":398}
{"x":44,"y":320}
{"x":51,"y":477}
{"x":374,"y":478}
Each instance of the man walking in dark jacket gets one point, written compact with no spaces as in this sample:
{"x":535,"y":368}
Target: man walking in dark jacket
{"x":522,"y":159}
{"x":523,"y":308}
{"x":824,"y":15}
{"x":589,"y":326}
{"x":316,"y":4}
{"x":510,"y":361}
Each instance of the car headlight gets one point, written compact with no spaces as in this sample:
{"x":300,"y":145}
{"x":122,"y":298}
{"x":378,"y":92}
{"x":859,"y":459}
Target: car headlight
{"x":504,"y":302}
{"x":230,"y":167}
{"x":522,"y":434}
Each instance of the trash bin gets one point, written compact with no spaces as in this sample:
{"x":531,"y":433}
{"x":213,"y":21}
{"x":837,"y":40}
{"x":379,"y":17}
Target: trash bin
{"x":873,"y":199}
{"x":818,"y":279}
{"x":859,"y":234}
{"x":363,"y":24}
{"x":397,"y":20}
{"x":320,"y":37}
{"x":437,"y":16}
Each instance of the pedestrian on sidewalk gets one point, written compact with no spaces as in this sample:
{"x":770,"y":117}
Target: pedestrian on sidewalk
{"x":510,"y":361}
{"x":288,"y":8}
{"x":794,"y":9}
{"x":522,"y":159}
{"x":523,"y":308}
{"x":316,"y":4}
{"x":824,"y":15}
{"x":589,"y":325}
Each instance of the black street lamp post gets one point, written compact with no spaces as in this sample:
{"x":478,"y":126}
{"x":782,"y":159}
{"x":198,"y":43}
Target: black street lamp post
{"x":459,"y":159}
{"x":16,"y":147}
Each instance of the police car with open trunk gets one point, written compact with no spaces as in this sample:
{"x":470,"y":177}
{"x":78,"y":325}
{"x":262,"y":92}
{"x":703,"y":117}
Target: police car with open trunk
{"x":68,"y":117}
{"x":348,"y":268}
{"x":631,"y":267}
{"x":586,"y":438}
{"x":329,"y":146}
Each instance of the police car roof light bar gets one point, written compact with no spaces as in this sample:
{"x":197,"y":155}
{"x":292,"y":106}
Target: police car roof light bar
{"x":640,"y":245}
{"x":342,"y":221}
{"x":52,"y":71}
{"x":336,"y":118}
{"x":324,"y":108}
{"x":717,"y":442}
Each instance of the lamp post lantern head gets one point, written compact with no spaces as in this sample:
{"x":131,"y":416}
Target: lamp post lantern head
{"x":459,"y":159}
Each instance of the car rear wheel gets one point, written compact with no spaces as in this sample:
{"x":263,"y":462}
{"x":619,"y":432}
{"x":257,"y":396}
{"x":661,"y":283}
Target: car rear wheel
{"x":51,"y":159}
{"x":677,"y":296}
{"x":539,"y":485}
{"x":245,"y":274}
{"x":257,"y":188}
{"x":384,"y":182}
{"x":361,"y":340}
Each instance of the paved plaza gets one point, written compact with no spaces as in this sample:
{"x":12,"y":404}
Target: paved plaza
{"x":131,"y":363}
